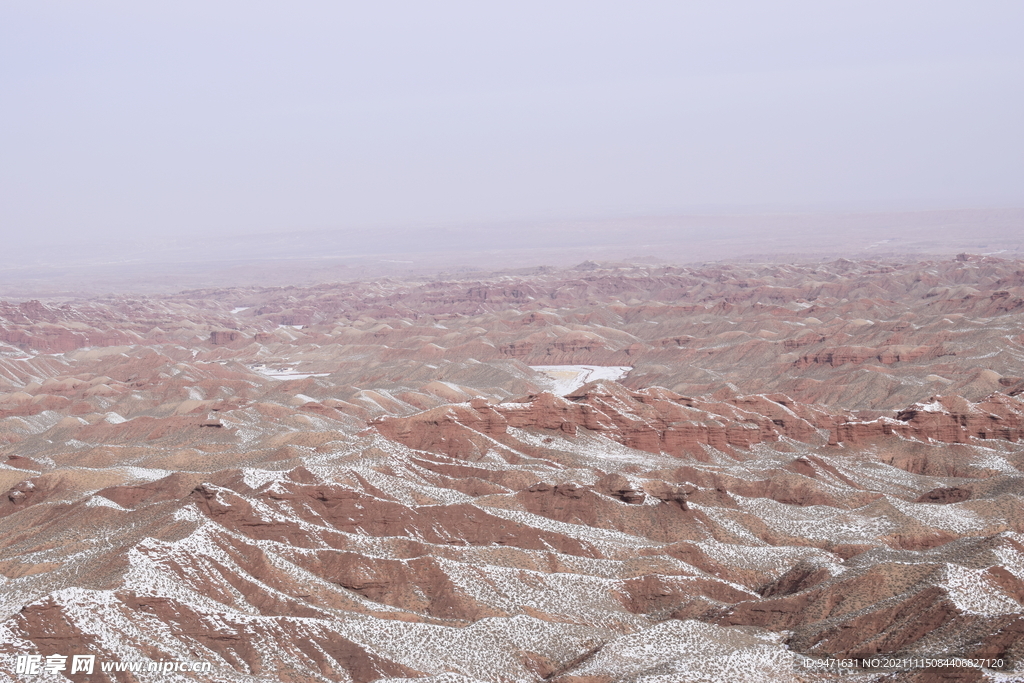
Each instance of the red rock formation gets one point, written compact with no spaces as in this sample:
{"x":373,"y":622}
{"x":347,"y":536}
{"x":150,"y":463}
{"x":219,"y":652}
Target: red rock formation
{"x":467,"y":533}
{"x":655,"y":420}
{"x":949,"y":419}
{"x":223,"y":337}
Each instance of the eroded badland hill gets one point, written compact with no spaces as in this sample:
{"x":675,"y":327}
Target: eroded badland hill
{"x":372,"y":481}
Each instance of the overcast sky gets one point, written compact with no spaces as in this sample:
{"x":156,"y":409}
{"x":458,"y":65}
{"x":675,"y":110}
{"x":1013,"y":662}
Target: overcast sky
{"x":148,"y":117}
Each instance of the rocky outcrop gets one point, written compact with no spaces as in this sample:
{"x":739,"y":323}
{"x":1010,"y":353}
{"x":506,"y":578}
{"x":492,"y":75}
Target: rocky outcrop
{"x":653,"y":420}
{"x":887,"y":355}
{"x":660,"y":421}
{"x":224,"y":337}
{"x":949,"y":419}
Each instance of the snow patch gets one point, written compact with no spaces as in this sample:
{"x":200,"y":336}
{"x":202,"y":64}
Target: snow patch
{"x":565,"y":379}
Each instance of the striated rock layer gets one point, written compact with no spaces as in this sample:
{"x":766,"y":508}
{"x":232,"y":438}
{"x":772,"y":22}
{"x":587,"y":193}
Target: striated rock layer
{"x":370,"y":481}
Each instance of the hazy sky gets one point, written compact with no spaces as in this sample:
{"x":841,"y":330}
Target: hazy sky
{"x":264,"y":116}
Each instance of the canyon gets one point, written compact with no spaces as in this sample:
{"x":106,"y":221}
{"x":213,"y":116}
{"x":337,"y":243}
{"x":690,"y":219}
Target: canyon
{"x":383,"y":480}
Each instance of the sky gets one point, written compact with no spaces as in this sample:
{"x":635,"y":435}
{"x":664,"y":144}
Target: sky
{"x":219,"y":117}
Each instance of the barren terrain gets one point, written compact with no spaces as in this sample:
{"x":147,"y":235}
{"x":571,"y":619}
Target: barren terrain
{"x":388,"y":479}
